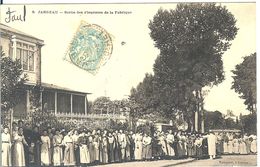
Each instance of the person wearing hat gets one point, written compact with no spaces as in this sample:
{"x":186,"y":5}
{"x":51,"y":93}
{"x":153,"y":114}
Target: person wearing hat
{"x":6,"y":147}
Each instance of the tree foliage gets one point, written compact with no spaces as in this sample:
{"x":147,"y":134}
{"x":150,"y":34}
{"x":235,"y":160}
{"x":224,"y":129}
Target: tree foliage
{"x":192,"y":39}
{"x":245,"y":81}
{"x":102,"y":105}
{"x":12,"y":80}
{"x":249,"y":123}
{"x":35,"y":96}
{"x":214,"y":120}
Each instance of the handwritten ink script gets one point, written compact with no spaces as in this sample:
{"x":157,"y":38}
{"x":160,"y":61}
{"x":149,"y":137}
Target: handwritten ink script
{"x":12,"y":15}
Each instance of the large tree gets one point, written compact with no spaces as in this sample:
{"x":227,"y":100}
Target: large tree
{"x":12,"y":80}
{"x":192,"y":39}
{"x":245,"y":81}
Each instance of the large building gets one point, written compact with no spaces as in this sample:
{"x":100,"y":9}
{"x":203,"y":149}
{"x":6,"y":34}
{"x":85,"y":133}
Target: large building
{"x":56,"y":99}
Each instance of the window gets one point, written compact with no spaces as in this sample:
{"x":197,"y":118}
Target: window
{"x":48,"y":99}
{"x":25,"y":53}
{"x":78,"y":104}
{"x":63,"y":103}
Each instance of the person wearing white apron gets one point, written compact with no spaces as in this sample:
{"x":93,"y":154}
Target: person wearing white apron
{"x":212,"y":145}
{"x":6,"y":147}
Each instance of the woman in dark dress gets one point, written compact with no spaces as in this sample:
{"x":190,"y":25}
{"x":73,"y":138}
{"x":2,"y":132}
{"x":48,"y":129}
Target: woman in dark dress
{"x":91,"y":148}
{"x":104,"y":148}
{"x":198,"y":145}
{"x":111,"y":147}
{"x":205,"y":147}
{"x":117,"y":150}
{"x":36,"y":139}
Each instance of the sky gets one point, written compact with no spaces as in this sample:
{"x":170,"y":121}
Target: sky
{"x":129,"y":62}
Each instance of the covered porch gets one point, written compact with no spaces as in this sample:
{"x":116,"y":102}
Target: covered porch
{"x":62,"y":101}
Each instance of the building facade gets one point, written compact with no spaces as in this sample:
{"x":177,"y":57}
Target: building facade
{"x":26,"y":48}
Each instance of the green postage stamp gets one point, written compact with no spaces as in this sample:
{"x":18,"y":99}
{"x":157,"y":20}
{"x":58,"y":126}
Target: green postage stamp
{"x":90,"y":48}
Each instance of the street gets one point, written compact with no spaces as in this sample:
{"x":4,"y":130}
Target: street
{"x":226,"y":160}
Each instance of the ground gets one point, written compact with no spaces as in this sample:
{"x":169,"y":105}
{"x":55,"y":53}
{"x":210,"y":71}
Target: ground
{"x":226,"y":160}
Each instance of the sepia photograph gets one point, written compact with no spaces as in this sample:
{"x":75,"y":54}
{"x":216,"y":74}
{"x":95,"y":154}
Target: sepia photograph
{"x":128,"y":84}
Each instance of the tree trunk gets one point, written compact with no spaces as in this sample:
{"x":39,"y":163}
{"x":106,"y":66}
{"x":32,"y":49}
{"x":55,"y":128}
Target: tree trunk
{"x":11,"y":120}
{"x":201,"y":108}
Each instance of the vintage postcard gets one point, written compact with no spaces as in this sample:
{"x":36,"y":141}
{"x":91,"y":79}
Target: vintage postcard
{"x":132,"y":84}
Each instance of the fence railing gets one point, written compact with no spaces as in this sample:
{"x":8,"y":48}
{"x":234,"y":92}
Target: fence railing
{"x":94,"y":116}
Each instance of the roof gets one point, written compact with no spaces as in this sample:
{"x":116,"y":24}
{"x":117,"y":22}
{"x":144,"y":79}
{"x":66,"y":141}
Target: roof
{"x":52,"y":86}
{"x":59,"y":88}
{"x":18,"y":32}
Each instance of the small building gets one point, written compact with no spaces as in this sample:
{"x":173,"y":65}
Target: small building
{"x":231,"y":115}
{"x":53,"y":98}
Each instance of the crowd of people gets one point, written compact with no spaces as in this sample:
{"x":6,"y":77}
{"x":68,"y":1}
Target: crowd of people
{"x":27,"y":146}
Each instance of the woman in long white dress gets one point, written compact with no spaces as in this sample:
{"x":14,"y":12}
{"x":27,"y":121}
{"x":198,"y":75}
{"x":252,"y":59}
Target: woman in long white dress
{"x":162,"y":142}
{"x":18,"y":148}
{"x":212,"y":140}
{"x":247,"y":142}
{"x":253,"y":147}
{"x":225,"y":144}
{"x":179,"y":145}
{"x":83,"y":149}
{"x":147,"y":147}
{"x":184,"y":144}
{"x":69,"y":156}
{"x":169,"y":141}
{"x":45,"y":149}
{"x":6,"y":147}
{"x":57,"y":151}
{"x":242,"y":146}
{"x":235,"y":146}
{"x":230,"y":143}
{"x":138,"y":146}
